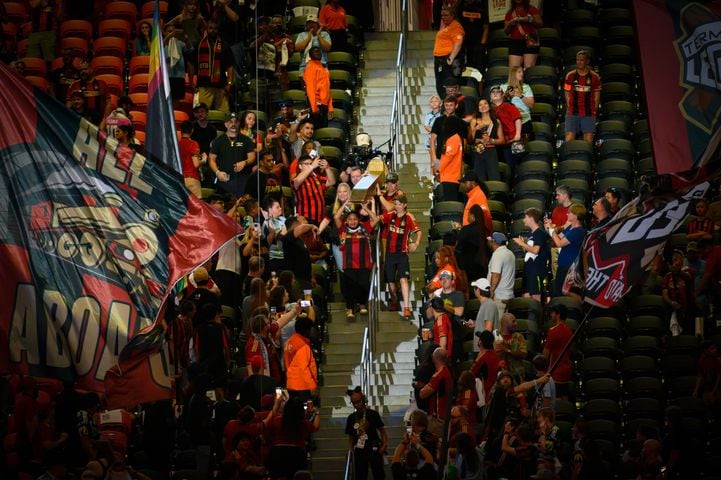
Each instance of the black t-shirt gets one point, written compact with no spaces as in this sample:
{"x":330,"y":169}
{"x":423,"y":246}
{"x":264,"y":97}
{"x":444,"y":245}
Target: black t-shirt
{"x":539,"y":266}
{"x":297,"y":257}
{"x":400,"y":472}
{"x":230,"y":152}
{"x":472,"y":15}
{"x":269,"y":186}
{"x":200,"y":297}
{"x":204,"y":136}
{"x":369,"y":422}
{"x":445,"y":127}
{"x":253,"y":388}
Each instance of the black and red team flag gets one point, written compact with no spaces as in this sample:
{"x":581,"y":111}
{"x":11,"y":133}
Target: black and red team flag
{"x":92,"y":239}
{"x":614,"y":257}
{"x":679,"y":43}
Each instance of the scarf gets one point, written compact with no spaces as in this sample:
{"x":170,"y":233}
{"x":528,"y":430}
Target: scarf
{"x":209,"y":65}
{"x":263,"y":353}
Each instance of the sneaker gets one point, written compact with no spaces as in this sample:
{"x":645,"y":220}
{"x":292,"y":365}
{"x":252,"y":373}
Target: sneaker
{"x":363,"y":310}
{"x":349,"y":314}
{"x":407,"y":312}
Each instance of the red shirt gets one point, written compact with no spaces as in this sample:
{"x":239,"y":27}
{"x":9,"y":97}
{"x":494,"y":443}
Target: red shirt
{"x":559,"y":217}
{"x":557,"y":338}
{"x":234,"y":427}
{"x":582,"y":89}
{"x":680,"y":288}
{"x":331,"y":18}
{"x":95,"y":92}
{"x":490,"y":359}
{"x":442,"y":328}
{"x":700,"y":225}
{"x":507,"y":114}
{"x":310,"y":196}
{"x":441,"y":383}
{"x":528,"y":28}
{"x":399,"y":228}
{"x":189,"y":148}
{"x":469,"y":399}
{"x":356,"y":247}
{"x":279,"y":437}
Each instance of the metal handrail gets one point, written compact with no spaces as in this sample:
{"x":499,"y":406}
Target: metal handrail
{"x":364,"y":366}
{"x":396,"y":122}
{"x":348,"y":473}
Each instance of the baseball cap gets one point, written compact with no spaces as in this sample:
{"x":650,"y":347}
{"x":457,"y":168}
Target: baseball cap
{"x":284,"y":103}
{"x":311,"y":17}
{"x":498,"y":238}
{"x":471,"y":176}
{"x":392,"y":177}
{"x":558,"y":308}
{"x":446,"y":274}
{"x":200,"y":275}
{"x":256,"y":362}
{"x":200,"y":105}
{"x":231,"y":116}
{"x":691,"y":247}
{"x":482,"y":284}
{"x":363,"y":140}
{"x":495,"y":87}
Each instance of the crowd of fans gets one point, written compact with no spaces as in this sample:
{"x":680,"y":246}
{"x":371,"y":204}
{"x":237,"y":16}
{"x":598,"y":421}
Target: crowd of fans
{"x":496,"y":388}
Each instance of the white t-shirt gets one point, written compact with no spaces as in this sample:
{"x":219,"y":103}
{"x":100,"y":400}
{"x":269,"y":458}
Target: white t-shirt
{"x":504,"y":262}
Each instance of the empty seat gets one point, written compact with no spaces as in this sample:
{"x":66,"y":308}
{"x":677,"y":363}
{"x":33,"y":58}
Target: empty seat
{"x":77,"y":44}
{"x":549,"y":37}
{"x":498,"y":57}
{"x":575,"y":150}
{"x":601,"y":347}
{"x":113,"y":46}
{"x":114,"y":83}
{"x":617,"y":72}
{"x":148,"y":9}
{"x":638,"y":366}
{"x":534,"y":169}
{"x":108,"y":65}
{"x":39,"y":82}
{"x":123,"y":10}
{"x":544,"y":93}
{"x":580,"y":169}
{"x":498,"y":191}
{"x":17,"y":12}
{"x":34,"y":66}
{"x":601,"y":408}
{"x":648,"y":305}
{"x":617,"y":54}
{"x":641,"y":345}
{"x":519,"y":207}
{"x":525,"y":307}
{"x":601,"y":388}
{"x":114,"y":27}
{"x":610,"y":17}
{"x":76,"y":28}
{"x":539,"y":150}
{"x":647,"y":325}
{"x":342,"y":61}
{"x":618,"y":183}
{"x":140,"y":101}
{"x":543,"y":131}
{"x":498,"y":38}
{"x":614,"y":167}
{"x":586,"y":35}
{"x":619,"y":110}
{"x":543,"y":112}
{"x":677,"y":365}
{"x":569,"y":54}
{"x":497,"y":76}
{"x":598,"y":367}
{"x":604,"y":327}
{"x":547,"y":56}
{"x":139,"y":64}
{"x":644,"y":407}
{"x":139,"y":83}
{"x":138,"y":118}
{"x":617,"y":148}
{"x":341,"y":79}
{"x":617,"y":91}
{"x":448,"y":210}
{"x":541,"y":74}
{"x":532,"y":189}
{"x":603,"y":429}
{"x":639,"y":387}
{"x":331,"y":136}
{"x":578,"y":17}
{"x":439,"y":229}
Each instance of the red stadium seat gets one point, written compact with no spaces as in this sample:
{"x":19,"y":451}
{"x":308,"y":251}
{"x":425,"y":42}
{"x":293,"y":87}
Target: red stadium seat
{"x":113,"y":46}
{"x":140,"y":136}
{"x":58,"y":63}
{"x":114,"y":83}
{"x":140,"y":100}
{"x":34,"y":67}
{"x":76,"y":28}
{"x":114,"y":27}
{"x":139,"y":64}
{"x":17,"y":12}
{"x":39,"y":82}
{"x":127,"y":11}
{"x":52,"y":386}
{"x":79,"y":44}
{"x":22,"y":47}
{"x":148,"y":9}
{"x":107,"y":64}
{"x":10,"y":31}
{"x":139,"y":83}
{"x":139,"y":119}
{"x":180,"y":117}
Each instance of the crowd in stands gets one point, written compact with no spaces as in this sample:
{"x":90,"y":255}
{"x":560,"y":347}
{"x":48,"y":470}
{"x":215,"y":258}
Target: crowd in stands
{"x":263,"y":119}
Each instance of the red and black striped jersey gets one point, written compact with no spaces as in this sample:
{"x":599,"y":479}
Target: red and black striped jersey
{"x":310,"y":198}
{"x":356,"y":246}
{"x":397,"y":229}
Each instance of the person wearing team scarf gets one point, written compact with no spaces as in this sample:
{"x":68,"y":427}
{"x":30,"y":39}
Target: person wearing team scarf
{"x":357,"y":262}
{"x":215,"y":70}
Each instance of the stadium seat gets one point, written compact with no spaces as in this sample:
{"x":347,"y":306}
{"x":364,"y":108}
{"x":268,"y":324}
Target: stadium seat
{"x":115,"y":28}
{"x":617,"y":91}
{"x":609,"y":17}
{"x":139,"y":64}
{"x":518,"y":228}
{"x":331,"y":136}
{"x":114,"y":83}
{"x":569,"y":55}
{"x":543,"y":132}
{"x":573,"y":306}
{"x":147,"y":10}
{"x":547,"y":56}
{"x":498,"y":210}
{"x":617,"y":54}
{"x":601,"y":347}
{"x":539,"y":150}
{"x":578,"y":17}
{"x":498,"y":57}
{"x":525,"y":307}
{"x":579,"y":188}
{"x":578,"y":169}
{"x":611,"y":129}
{"x":123,"y":10}
{"x":533,"y":189}
{"x":180,"y":117}
{"x":447,"y":210}
{"x":603,"y":327}
{"x":499,"y":226}
{"x":542,"y":75}
{"x":294,"y":62}
{"x":342,"y":100}
{"x":113,"y":46}
{"x":691,"y":407}
{"x":34,"y":66}
{"x":79,"y":45}
{"x":341,"y":79}
{"x":638,"y":366}
{"x":16,"y":12}
{"x":498,"y":191}
{"x":575,"y":150}
{"x":440,"y":228}
{"x":619,"y":110}
{"x":497,"y":38}
{"x":617,"y":72}
{"x":678,"y":365}
{"x":681,"y":386}
{"x":644,"y":148}
{"x":586,"y":35}
{"x":645,"y":166}
{"x":602,"y":408}
{"x":139,"y":83}
{"x":640,"y":387}
{"x":334,"y":155}
{"x":519,"y":207}
{"x":621,"y":184}
{"x":598,"y":367}
{"x":640,"y":131}
{"x":603,"y":429}
{"x":648,"y":305}
{"x":647,"y":325}
{"x":614,"y":167}
{"x":140,"y":101}
{"x":299,"y":98}
{"x":641,"y":345}
{"x":543,"y":112}
{"x":77,"y":28}
{"x":139,"y":119}
{"x":295,"y":82}
{"x":39,"y":82}
{"x":644,"y":407}
{"x":682,"y":344}
{"x":108,"y":65}
{"x":534,"y":169}
{"x":342,"y":61}
{"x":549,"y":38}
{"x":617,"y":148}
{"x":601,"y":388}
{"x":544,"y":93}
{"x":497,"y":76}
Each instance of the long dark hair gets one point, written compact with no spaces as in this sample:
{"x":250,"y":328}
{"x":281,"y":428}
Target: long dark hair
{"x":478,"y":115}
{"x":478,"y":218}
{"x":471,"y":462}
{"x":275,"y":298}
{"x":293,"y":422}
{"x":525,"y":3}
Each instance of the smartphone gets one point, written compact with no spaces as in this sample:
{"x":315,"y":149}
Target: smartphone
{"x":409,"y":428}
{"x":273,"y":310}
{"x":305,"y":303}
{"x":305,"y":406}
{"x":278,"y":391}
{"x":313,"y":154}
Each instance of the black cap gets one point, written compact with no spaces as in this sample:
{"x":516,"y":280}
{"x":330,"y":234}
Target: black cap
{"x":559,"y":308}
{"x":471,"y":176}
{"x":284,"y":103}
{"x":201,"y":105}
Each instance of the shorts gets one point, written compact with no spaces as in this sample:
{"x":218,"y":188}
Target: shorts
{"x":397,"y":263}
{"x":575,"y":124}
{"x":519,"y":48}
{"x":532,"y":282}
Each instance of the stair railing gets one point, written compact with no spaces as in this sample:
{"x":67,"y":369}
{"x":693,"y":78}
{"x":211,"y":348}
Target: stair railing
{"x":396,"y":121}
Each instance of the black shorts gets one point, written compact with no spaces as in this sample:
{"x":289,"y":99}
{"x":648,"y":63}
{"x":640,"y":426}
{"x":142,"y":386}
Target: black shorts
{"x":397,"y":263}
{"x":532,"y":283}
{"x":519,"y":48}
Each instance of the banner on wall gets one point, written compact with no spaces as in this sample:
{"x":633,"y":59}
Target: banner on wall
{"x":92,"y":238}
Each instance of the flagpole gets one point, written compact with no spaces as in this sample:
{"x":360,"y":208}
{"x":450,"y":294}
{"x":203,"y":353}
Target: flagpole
{"x":571,"y":340}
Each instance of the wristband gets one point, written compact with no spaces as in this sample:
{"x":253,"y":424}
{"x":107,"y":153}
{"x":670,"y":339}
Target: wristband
{"x":217,"y":172}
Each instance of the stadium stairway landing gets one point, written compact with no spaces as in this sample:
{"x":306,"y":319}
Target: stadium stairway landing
{"x":394,"y":358}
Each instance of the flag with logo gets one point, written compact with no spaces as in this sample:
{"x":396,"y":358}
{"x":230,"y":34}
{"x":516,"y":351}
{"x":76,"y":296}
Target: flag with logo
{"x":92,"y":239}
{"x":678,"y":52}
{"x":161,"y":139}
{"x":614,"y":257}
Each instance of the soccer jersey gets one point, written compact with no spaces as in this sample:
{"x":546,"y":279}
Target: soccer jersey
{"x":397,"y":230}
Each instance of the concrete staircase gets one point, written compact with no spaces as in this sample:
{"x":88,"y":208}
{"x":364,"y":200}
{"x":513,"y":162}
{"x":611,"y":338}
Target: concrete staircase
{"x":394,"y":357}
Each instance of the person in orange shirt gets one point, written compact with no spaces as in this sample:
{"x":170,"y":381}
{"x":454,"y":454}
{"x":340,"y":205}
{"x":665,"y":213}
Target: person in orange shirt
{"x":446,"y":49}
{"x":317,"y":87}
{"x":450,"y":168}
{"x":476,"y":196}
{"x":300,"y":368}
{"x":333,"y":18}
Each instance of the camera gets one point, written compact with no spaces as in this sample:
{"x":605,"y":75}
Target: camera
{"x":305,"y":303}
{"x":278,"y":391}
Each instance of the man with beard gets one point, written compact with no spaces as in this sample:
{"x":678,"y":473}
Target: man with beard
{"x":232,"y":157}
{"x":262,"y":183}
{"x":215,"y":70}
{"x":94,"y":91}
{"x":66,"y":75}
{"x":367,"y":437}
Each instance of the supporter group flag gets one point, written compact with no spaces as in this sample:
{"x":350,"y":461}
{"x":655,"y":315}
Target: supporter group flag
{"x":161,"y":139}
{"x":614,"y":257}
{"x":92,"y":239}
{"x":679,"y":43}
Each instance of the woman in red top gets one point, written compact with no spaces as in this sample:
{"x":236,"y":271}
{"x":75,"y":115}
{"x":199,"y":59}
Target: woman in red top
{"x":467,"y":395}
{"x":289,"y":433}
{"x":521,"y":24}
{"x":485,"y":366}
